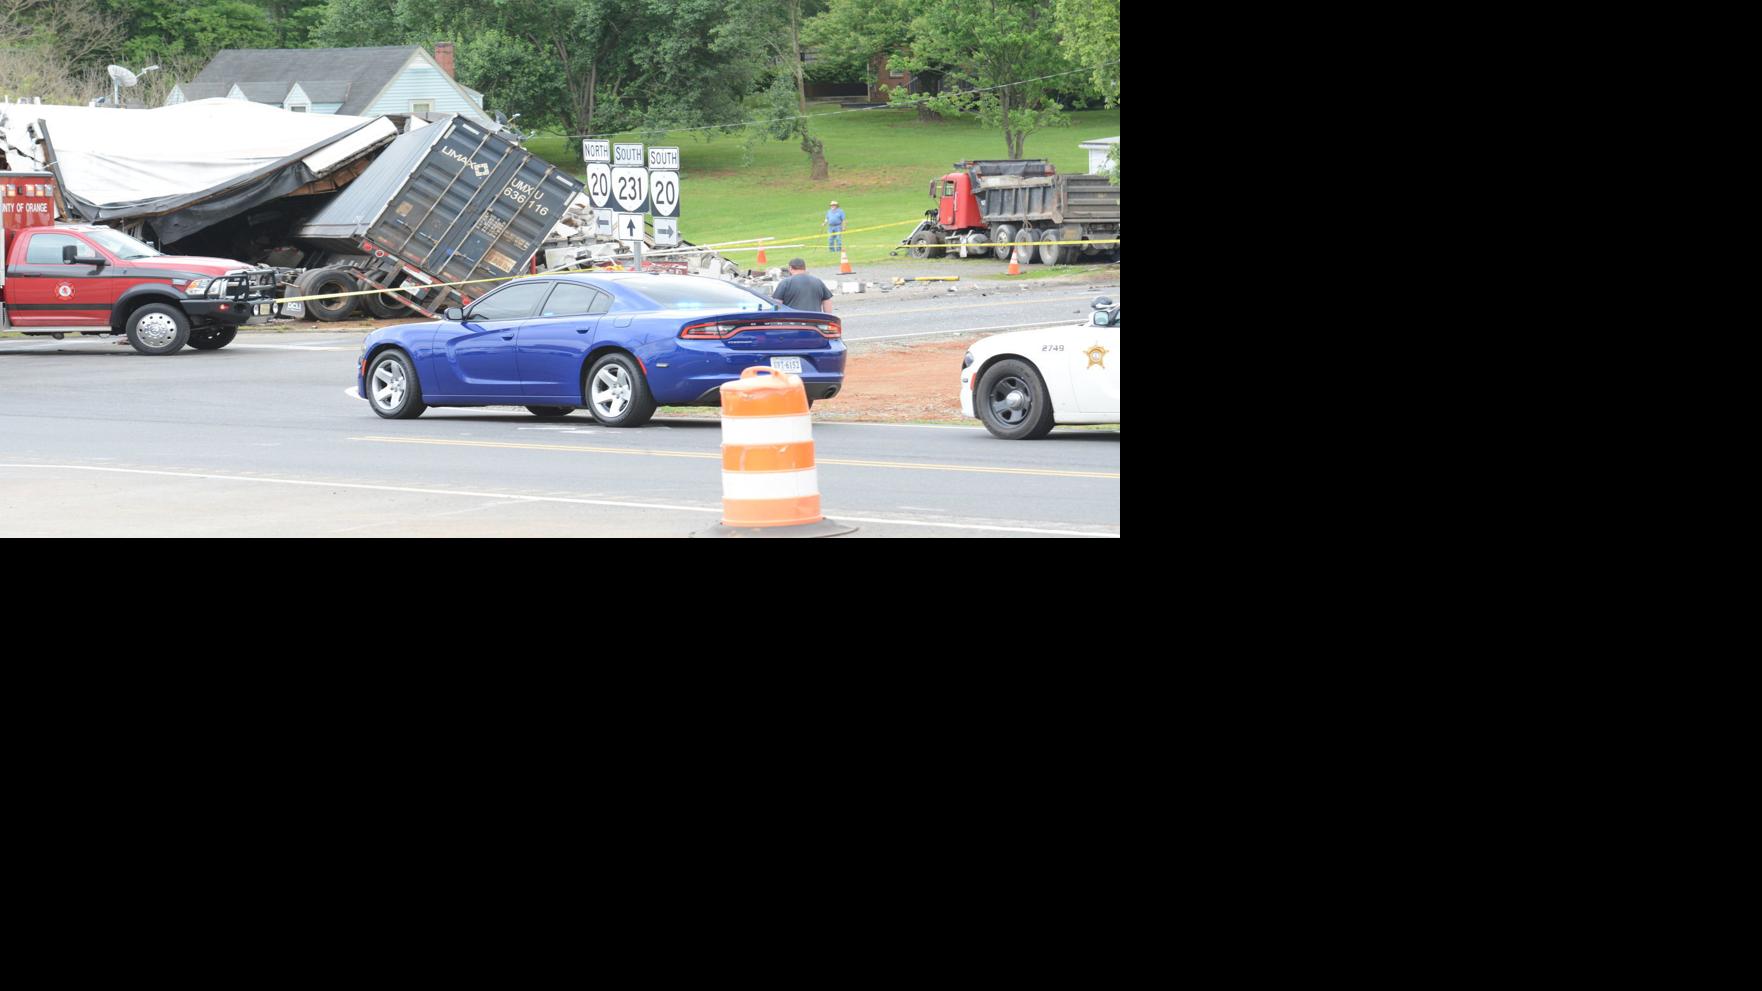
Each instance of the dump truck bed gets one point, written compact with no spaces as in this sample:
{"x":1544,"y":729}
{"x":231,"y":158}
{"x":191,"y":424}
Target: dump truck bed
{"x":1060,"y":199}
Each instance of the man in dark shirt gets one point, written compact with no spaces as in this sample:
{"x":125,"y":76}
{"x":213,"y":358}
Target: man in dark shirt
{"x":802,"y":291}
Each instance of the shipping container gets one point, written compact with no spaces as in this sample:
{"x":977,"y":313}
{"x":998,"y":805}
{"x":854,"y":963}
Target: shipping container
{"x":451,"y":202}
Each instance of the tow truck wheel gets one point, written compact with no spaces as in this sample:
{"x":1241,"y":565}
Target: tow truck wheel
{"x":158,"y":328}
{"x":326,"y":282}
{"x":213,"y":340}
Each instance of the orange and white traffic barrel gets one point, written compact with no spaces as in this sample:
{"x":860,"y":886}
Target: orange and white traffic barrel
{"x":770,"y":487}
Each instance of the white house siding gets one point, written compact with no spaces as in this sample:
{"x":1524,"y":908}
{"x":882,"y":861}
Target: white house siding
{"x":423,"y":82}
{"x":326,"y":108}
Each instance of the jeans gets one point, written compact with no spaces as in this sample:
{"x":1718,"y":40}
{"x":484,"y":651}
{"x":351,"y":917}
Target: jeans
{"x":836,"y":241}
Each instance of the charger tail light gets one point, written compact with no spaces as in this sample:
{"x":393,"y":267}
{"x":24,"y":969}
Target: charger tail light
{"x":710,"y":331}
{"x":721,"y":330}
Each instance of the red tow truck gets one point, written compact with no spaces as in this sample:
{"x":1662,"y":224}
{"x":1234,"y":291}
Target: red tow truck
{"x":57,"y":279}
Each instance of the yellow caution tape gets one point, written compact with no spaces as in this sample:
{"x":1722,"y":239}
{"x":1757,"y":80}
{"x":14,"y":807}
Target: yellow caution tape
{"x":410,"y":289}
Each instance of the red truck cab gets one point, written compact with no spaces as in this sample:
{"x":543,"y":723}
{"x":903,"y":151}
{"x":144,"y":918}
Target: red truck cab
{"x":957,"y":208}
{"x":83,"y":278}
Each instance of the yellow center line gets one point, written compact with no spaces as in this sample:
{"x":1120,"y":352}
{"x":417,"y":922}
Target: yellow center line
{"x":644,"y":452}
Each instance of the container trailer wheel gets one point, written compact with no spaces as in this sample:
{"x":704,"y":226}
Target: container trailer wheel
{"x":324,"y":282}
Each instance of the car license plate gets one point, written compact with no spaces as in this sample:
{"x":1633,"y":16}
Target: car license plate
{"x":295,"y":310}
{"x":790,"y":365}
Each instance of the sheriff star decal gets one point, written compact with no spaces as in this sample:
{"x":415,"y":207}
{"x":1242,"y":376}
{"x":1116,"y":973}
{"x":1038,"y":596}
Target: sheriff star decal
{"x":1097,"y":356}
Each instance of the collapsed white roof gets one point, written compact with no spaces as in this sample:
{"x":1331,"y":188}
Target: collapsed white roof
{"x":192,"y":164}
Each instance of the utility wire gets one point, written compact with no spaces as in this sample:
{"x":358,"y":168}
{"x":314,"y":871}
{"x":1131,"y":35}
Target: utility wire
{"x":903,"y":105}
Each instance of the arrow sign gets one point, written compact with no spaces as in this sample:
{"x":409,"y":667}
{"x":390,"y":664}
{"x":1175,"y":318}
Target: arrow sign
{"x":629,"y":227}
{"x":666,"y":232}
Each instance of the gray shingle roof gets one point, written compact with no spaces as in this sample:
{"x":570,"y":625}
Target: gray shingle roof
{"x":364,"y":72}
{"x":262,"y":92}
{"x":203,"y":91}
{"x":326,"y":90}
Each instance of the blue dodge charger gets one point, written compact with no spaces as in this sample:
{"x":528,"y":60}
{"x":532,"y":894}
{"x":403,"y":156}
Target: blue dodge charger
{"x":616,"y":344}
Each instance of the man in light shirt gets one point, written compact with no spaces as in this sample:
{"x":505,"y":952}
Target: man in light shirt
{"x":834,"y":224}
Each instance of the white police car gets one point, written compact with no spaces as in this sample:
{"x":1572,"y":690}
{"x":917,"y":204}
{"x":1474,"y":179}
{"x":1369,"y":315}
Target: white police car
{"x":1022,"y":384}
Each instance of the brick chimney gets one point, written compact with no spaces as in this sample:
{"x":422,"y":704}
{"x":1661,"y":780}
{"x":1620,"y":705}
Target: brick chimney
{"x":443,"y":56}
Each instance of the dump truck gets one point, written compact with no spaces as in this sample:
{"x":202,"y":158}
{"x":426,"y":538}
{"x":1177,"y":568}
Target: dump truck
{"x":992,"y":207}
{"x":453,"y":202}
{"x":57,"y":279}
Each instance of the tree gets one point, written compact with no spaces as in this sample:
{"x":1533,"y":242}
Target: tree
{"x":850,"y":35}
{"x":770,"y":32}
{"x":992,"y":53}
{"x":55,"y":50}
{"x":371,"y":24}
{"x":294,"y":21}
{"x":1090,"y":32}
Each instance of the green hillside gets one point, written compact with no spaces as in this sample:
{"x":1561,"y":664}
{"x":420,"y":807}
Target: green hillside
{"x":882,"y":162}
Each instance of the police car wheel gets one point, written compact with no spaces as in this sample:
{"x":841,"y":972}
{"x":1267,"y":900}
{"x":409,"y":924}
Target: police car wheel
{"x":617,"y":394}
{"x":213,"y":340}
{"x":158,"y":329}
{"x":1013,"y":403}
{"x":392,"y":388}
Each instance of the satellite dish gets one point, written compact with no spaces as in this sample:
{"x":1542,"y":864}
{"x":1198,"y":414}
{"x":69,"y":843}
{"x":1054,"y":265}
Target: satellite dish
{"x":122,"y":77}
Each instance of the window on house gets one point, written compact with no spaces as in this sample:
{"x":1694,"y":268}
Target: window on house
{"x":298,"y":108}
{"x":422,"y":106}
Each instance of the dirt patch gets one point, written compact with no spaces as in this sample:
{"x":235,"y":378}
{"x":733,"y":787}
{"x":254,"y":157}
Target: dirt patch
{"x":901,"y":383}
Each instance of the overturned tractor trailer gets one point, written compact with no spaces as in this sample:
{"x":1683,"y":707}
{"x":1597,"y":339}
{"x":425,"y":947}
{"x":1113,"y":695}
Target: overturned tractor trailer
{"x":454,"y":202}
{"x":994,"y":207}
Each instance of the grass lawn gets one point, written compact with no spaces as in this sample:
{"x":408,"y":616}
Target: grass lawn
{"x":881,"y":162}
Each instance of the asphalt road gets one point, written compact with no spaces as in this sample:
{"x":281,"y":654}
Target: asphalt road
{"x":933,"y":311}
{"x":266,"y":438}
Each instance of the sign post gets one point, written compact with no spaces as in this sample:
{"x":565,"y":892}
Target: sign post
{"x":630,"y":190}
{"x":664,"y":194}
{"x":598,"y":156}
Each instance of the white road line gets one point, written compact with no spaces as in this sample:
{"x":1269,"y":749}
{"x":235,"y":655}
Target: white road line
{"x":514,"y":497}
